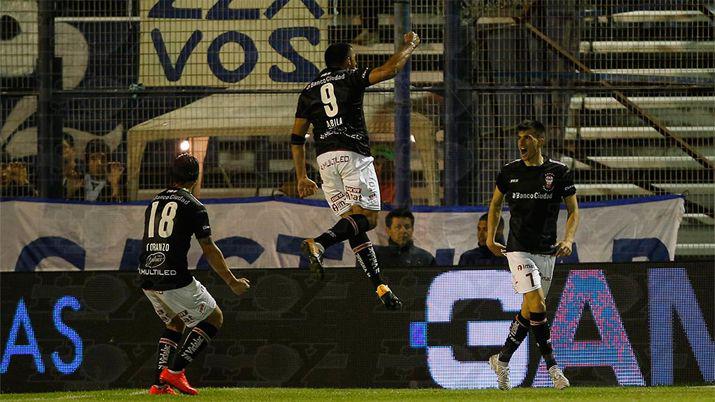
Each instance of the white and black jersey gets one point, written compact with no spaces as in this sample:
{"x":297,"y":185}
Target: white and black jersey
{"x":332,"y":103}
{"x":534,"y":195}
{"x":173,"y":216}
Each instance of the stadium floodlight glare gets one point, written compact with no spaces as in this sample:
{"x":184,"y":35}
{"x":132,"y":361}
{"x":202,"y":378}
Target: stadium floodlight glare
{"x":184,"y":145}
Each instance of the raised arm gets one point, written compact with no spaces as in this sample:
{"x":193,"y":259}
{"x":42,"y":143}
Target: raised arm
{"x":495,"y":205}
{"x":214,"y":256}
{"x":397,"y":61}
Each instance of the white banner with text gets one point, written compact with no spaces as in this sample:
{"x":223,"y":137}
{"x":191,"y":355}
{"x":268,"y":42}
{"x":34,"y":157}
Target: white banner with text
{"x":266,"y":233}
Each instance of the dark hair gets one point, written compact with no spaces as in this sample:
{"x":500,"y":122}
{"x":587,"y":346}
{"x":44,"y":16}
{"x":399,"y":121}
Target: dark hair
{"x":485,"y":217}
{"x":532,"y":125}
{"x":185,"y":168}
{"x":399,"y":213}
{"x":96,"y":146}
{"x":336,"y":54}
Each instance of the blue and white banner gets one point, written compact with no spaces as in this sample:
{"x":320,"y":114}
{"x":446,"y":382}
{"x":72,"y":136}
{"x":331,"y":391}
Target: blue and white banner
{"x":222,"y":43}
{"x":266,"y":233}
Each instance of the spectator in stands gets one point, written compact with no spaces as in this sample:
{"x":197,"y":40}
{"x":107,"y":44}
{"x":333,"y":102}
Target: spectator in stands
{"x":102,"y":182}
{"x":401,"y":250}
{"x":482,"y":254}
{"x":72,"y":181}
{"x":14,"y":181}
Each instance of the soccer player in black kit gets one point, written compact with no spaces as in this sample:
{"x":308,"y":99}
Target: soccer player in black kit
{"x":332,"y":103}
{"x":172,"y":218}
{"x":534,"y":186}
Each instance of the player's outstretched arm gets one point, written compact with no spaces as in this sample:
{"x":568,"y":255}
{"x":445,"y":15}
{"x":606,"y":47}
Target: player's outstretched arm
{"x":565,"y":246}
{"x":215,"y":258}
{"x":397,"y":61}
{"x":495,"y":205}
{"x":306,"y":187}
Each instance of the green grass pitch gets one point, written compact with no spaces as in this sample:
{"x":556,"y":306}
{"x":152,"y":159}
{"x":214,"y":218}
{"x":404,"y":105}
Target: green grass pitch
{"x":610,"y":394}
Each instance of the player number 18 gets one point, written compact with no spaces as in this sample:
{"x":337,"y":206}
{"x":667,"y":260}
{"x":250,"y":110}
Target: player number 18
{"x":330,"y":103}
{"x":166,"y":223}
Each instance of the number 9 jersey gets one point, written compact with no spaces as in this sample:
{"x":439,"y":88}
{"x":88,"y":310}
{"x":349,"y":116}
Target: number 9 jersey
{"x":173,"y":216}
{"x":332,"y":103}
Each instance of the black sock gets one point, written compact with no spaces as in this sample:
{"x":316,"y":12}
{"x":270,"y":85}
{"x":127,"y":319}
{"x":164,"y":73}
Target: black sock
{"x":346,"y":228}
{"x":366,"y":258}
{"x":542,"y":333}
{"x":517,"y":332}
{"x":195,"y":342}
{"x":168,"y":343}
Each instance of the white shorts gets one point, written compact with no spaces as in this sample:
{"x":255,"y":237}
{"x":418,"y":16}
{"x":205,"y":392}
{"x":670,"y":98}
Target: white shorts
{"x":530,"y":271}
{"x":349,"y":179}
{"x":193,"y":303}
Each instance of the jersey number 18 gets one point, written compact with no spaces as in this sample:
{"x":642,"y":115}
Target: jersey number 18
{"x":166,"y":223}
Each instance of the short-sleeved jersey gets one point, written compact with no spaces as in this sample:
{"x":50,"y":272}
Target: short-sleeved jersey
{"x":534,"y":195}
{"x":332,"y":103}
{"x":173,"y":216}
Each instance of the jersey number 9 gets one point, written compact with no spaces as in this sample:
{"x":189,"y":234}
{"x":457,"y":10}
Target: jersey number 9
{"x":330,"y":103}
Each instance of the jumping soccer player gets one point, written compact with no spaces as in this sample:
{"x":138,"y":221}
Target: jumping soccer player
{"x":332,"y":103}
{"x":533,"y":186}
{"x":178,"y":298}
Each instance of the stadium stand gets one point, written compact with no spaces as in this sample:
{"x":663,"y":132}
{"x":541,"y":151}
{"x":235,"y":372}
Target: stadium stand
{"x":671,"y":45}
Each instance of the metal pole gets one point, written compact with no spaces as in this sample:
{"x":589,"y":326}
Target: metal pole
{"x":49,"y":127}
{"x":403,"y":172}
{"x":451,"y":143}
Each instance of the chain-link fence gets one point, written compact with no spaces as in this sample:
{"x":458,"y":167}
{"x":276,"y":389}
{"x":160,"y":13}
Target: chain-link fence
{"x":626,"y":89}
